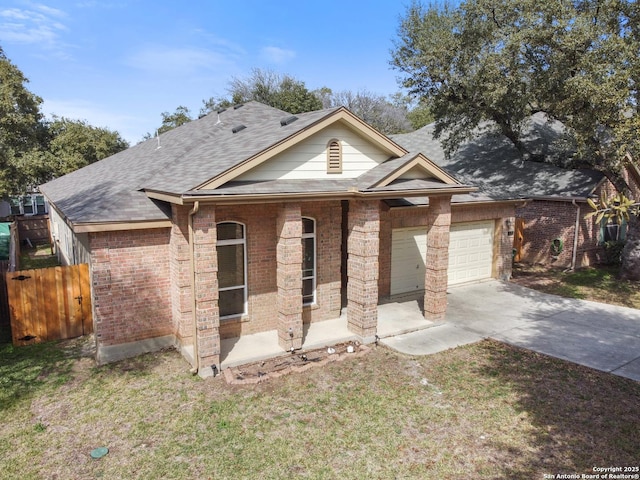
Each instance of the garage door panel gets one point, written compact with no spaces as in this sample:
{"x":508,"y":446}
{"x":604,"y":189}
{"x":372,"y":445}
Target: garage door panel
{"x":408,"y":254}
{"x":470,"y":255}
{"x":470,"y":252}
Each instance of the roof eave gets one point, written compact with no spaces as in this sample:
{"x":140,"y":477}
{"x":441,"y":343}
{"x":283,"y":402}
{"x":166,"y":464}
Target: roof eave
{"x":168,"y":197}
{"x":92,"y":227}
{"x":559,"y":198}
{"x":311,"y":196}
{"x":473,"y":203}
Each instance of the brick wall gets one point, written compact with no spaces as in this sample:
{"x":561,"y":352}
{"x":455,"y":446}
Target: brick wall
{"x":549,"y":220}
{"x":477,"y":213}
{"x":262,"y":237}
{"x":130,"y":276}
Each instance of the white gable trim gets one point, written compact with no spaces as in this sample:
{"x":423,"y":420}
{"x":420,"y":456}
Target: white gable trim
{"x":431,"y":170}
{"x":307,"y":159}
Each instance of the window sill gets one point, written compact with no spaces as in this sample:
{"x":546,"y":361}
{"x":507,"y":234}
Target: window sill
{"x":240,"y":318}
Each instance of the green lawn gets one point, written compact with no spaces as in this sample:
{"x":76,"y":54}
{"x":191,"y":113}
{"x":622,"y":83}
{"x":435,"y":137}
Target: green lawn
{"x":482,"y":411}
{"x":599,"y":284}
{"x":38,"y":256}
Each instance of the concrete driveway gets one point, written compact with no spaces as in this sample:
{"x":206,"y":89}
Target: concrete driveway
{"x":604,"y":337}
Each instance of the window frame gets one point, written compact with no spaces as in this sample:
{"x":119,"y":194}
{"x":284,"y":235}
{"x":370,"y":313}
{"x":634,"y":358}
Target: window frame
{"x":38,"y":201}
{"x":15,"y":205}
{"x":621,"y":230}
{"x":234,"y":241}
{"x":314,"y":276}
{"x":27,"y":201}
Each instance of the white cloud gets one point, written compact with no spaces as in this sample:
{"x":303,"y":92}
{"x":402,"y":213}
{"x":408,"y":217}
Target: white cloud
{"x":38,"y":25}
{"x":277,"y":55}
{"x":54,"y":12}
{"x":176,"y":61}
{"x":14,"y":13}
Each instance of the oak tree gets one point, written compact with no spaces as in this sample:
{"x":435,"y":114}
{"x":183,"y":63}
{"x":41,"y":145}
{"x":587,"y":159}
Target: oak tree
{"x":492,"y":64}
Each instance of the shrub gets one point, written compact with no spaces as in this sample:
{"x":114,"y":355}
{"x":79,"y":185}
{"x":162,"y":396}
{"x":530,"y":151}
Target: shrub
{"x":613,"y":252}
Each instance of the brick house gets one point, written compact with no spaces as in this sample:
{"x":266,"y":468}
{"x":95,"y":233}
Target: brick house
{"x":551,"y":228}
{"x":251,"y":220}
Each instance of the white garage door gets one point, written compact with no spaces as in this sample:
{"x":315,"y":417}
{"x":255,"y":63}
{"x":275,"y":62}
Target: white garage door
{"x":470,"y":255}
{"x":470,"y":252}
{"x":408,"y":253}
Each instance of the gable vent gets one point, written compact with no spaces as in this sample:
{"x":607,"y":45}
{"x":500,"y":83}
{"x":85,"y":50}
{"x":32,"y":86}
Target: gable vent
{"x":237,"y":128}
{"x":288,"y":120}
{"x":334,"y":157}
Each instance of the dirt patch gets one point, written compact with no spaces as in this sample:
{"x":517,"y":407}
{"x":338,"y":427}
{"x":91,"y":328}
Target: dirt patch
{"x":298,"y":361}
{"x":537,"y":281}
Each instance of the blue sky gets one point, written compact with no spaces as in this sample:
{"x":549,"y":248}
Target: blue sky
{"x":119,"y":64}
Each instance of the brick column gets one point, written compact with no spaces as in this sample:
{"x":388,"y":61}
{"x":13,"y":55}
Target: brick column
{"x":436,"y":278}
{"x":103,"y":306}
{"x":206,"y":289}
{"x":504,"y":262}
{"x":289,"y":276}
{"x":180,"y":271}
{"x":363,"y":246}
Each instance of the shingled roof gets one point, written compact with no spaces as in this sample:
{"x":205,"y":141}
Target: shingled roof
{"x":182,"y":161}
{"x":495,"y":166}
{"x":179,"y":160}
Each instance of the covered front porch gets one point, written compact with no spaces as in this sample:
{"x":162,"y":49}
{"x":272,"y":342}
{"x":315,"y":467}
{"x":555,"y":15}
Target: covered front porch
{"x":397,"y":315}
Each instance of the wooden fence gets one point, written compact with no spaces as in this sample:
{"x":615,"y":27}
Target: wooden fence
{"x":5,"y":320}
{"x":49,"y":303}
{"x":518,"y":240}
{"x":34,"y":229}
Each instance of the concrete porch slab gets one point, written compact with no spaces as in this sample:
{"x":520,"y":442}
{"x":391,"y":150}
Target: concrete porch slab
{"x":394,"y":318}
{"x":401,"y":316}
{"x":260,"y":346}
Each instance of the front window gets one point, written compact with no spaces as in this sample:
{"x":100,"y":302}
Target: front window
{"x":232,"y":269}
{"x":308,"y":261}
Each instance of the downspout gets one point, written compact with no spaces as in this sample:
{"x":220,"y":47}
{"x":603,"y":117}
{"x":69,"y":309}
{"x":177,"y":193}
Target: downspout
{"x":575,"y":236}
{"x":196,"y":357}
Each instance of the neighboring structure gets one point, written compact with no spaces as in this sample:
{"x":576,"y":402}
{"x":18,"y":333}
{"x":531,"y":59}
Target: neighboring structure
{"x":29,"y":212}
{"x":29,"y":205}
{"x":252,"y":219}
{"x":553,"y":200}
{"x":5,"y":240}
